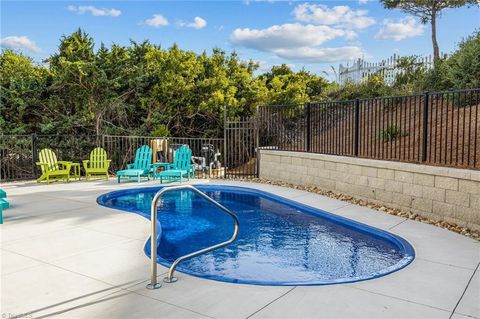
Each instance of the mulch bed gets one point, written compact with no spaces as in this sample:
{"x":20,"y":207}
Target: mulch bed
{"x":392,"y":211}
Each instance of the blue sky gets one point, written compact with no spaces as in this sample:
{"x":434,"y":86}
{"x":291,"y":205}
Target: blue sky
{"x":313,"y":35}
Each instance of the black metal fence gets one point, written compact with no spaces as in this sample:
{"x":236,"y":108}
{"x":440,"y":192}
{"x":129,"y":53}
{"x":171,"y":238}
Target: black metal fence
{"x":17,"y":161}
{"x":121,"y":149}
{"x":19,"y":153}
{"x":439,"y":128}
{"x":241,"y":142}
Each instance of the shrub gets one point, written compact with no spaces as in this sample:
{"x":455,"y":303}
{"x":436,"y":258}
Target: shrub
{"x":390,"y":133}
{"x":412,"y":71}
{"x":161,"y":131}
{"x":373,"y":86}
{"x":463,"y":67}
{"x":459,"y":71}
{"x":434,"y":79}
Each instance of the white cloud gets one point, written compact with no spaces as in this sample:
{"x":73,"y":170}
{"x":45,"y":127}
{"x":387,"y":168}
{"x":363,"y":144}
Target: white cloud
{"x":20,"y":42}
{"x":263,"y":66}
{"x":304,"y":40}
{"x":156,"y":21}
{"x":320,"y":55}
{"x":290,"y":35}
{"x":198,"y":23}
{"x":362,"y":1}
{"x":266,"y":66}
{"x":247,"y":2}
{"x":98,"y":12}
{"x":343,"y":16}
{"x":404,"y":28}
{"x":295,"y":41}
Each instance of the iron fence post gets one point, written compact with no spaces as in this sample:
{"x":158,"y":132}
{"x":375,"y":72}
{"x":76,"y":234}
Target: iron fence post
{"x":257,"y":142}
{"x":1,"y":157}
{"x":309,"y":127}
{"x":356,"y":135}
{"x":34,"y":155}
{"x":225,"y":139}
{"x":425,"y":127}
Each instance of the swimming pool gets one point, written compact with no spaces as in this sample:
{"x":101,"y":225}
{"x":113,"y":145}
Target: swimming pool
{"x":281,"y":242}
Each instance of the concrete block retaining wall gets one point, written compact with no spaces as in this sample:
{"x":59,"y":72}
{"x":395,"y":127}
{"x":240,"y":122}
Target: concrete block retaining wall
{"x":438,"y":193}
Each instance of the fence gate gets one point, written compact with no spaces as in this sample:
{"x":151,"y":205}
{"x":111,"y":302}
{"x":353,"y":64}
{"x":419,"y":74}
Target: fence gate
{"x":241,"y":142}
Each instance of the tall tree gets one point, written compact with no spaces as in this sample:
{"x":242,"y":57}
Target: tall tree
{"x":427,"y":11}
{"x":138,"y":89}
{"x":22,"y":84}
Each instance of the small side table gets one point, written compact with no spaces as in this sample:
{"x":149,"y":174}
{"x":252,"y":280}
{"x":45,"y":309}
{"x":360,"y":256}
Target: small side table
{"x":75,"y":167}
{"x":156,"y":166}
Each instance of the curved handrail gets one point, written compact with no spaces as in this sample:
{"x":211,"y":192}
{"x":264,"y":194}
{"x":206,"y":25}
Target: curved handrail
{"x":153,"y":242}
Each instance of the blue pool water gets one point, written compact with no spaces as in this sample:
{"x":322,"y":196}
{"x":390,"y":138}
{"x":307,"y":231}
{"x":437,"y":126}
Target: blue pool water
{"x":281,"y":242}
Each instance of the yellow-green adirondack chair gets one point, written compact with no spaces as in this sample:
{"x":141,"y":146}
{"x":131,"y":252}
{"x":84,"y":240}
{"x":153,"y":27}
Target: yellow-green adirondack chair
{"x":52,"y":170}
{"x":98,"y":163}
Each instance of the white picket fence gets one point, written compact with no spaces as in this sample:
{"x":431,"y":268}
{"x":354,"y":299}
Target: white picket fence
{"x":388,"y":68}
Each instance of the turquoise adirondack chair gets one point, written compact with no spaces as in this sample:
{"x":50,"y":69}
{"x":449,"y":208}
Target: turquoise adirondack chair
{"x":3,"y":204}
{"x":180,"y":168}
{"x":140,"y":167}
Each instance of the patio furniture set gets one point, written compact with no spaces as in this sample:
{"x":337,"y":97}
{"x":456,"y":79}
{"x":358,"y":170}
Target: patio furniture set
{"x":143,"y":166}
{"x":98,"y":165}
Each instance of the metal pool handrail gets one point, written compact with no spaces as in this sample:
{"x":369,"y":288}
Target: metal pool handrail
{"x":153,"y":240}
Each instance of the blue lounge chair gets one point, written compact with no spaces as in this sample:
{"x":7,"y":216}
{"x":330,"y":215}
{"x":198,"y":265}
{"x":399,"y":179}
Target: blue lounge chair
{"x":140,"y":167}
{"x":3,"y":204}
{"x":180,"y":168}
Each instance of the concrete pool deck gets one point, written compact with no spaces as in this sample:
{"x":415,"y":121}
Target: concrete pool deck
{"x":64,"y":256}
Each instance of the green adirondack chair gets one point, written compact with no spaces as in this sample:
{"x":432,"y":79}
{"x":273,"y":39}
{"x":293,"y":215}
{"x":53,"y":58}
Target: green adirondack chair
{"x":180,"y":168}
{"x":98,"y":164}
{"x":3,"y":204}
{"x":140,"y":167}
{"x":52,"y":169}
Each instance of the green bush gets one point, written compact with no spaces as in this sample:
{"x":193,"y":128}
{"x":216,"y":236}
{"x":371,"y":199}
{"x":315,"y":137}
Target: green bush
{"x":413,"y":71}
{"x":463,"y":67}
{"x":373,"y":86}
{"x":390,"y":133}
{"x":434,"y":79}
{"x":161,"y":131}
{"x":139,"y":89}
{"x":461,"y":70}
